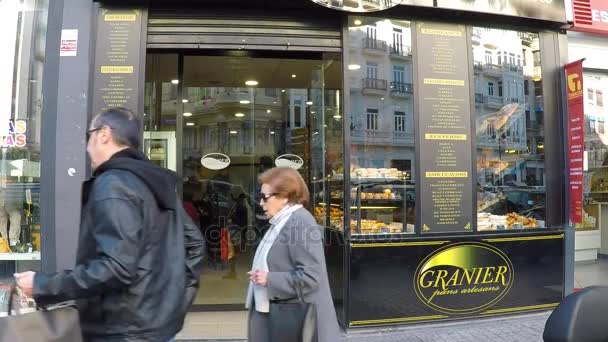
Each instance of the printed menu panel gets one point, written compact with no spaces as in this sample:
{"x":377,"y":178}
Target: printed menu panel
{"x":444,"y":141}
{"x":118,"y":65}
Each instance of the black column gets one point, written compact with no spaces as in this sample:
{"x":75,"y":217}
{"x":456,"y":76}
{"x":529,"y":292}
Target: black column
{"x":66,"y":90}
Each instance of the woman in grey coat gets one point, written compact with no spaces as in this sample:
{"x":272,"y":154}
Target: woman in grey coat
{"x":289,"y":256}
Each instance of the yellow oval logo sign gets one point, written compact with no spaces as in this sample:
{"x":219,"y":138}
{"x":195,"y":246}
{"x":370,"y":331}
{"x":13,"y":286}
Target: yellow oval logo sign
{"x":464,"y":278}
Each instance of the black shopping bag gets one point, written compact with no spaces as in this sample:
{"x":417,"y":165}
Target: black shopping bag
{"x":59,"y":323}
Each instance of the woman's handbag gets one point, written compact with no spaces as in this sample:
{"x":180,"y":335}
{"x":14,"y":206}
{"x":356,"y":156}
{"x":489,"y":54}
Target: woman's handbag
{"x":293,"y":322}
{"x":58,"y":324}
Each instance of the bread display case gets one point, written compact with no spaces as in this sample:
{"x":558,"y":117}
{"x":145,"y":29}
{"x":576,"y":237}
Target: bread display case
{"x":381,"y":202}
{"x":510,"y":208}
{"x":380,"y":206}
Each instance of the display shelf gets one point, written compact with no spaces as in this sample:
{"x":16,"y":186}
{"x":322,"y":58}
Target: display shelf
{"x":369,"y":212}
{"x":376,"y":180}
{"x":375,"y":201}
{"x":368,"y":180}
{"x":19,"y":256}
{"x":369,"y":207}
{"x":381,"y":201}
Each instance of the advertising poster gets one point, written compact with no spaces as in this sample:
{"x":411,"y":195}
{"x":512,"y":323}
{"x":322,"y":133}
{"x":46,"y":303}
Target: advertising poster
{"x":576,"y":138}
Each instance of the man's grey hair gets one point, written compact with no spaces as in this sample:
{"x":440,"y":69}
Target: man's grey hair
{"x":125,"y":126}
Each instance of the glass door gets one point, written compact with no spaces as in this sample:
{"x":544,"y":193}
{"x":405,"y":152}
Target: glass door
{"x":237,"y":116}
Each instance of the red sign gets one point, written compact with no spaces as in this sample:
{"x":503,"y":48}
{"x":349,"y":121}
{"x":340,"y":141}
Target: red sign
{"x":576,"y":138}
{"x":590,"y":16}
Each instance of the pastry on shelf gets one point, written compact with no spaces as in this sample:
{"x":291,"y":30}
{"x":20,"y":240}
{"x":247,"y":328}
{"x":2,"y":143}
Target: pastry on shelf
{"x":526,"y":222}
{"x":395,"y":227}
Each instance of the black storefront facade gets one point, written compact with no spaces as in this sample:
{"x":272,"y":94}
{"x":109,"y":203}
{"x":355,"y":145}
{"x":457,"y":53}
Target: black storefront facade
{"x":402,"y":120}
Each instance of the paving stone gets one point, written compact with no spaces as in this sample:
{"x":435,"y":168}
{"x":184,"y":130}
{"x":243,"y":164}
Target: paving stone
{"x":516,"y":328}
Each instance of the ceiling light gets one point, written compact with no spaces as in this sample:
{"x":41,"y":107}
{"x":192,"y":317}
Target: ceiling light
{"x":309,"y":103}
{"x":293,"y":75}
{"x":184,"y":100}
{"x":313,"y":112}
{"x":244,"y":102}
{"x":189,"y":123}
{"x":337,"y":116}
{"x":282,"y":90}
{"x":251,"y":83}
{"x":271,"y":132}
{"x":186,"y":114}
{"x":234,"y":132}
{"x":239,"y":115}
{"x":268,"y":111}
{"x":354,"y":67}
{"x":274,"y":102}
{"x":358,"y":22}
{"x":175,"y":81}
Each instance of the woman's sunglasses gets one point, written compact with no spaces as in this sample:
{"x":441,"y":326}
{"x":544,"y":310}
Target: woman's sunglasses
{"x":265,"y":197}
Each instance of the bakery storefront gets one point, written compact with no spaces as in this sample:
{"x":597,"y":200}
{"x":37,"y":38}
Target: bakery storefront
{"x":587,"y":39}
{"x":419,"y":127}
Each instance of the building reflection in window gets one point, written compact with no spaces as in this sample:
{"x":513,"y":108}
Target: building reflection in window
{"x":382,"y":126}
{"x":510,"y":133}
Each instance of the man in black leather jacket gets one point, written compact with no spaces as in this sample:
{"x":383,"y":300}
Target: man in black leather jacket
{"x":139,"y":255}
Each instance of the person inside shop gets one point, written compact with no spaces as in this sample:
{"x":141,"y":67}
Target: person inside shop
{"x":134,"y":235}
{"x":288,"y":278}
{"x":214,"y":217}
{"x":239,"y":222}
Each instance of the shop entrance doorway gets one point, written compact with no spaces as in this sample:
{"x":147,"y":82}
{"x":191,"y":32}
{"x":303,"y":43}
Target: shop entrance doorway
{"x":222,"y":118}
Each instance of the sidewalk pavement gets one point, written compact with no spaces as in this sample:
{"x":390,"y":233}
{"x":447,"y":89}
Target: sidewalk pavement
{"x":513,"y":328}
